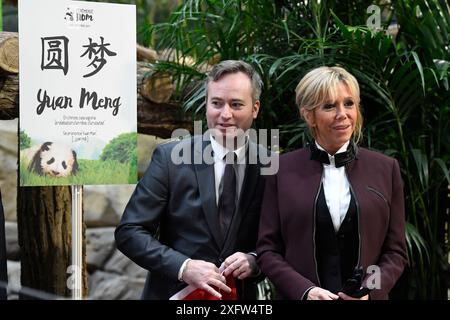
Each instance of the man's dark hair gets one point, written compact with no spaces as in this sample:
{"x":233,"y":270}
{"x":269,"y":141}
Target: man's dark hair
{"x":233,"y":66}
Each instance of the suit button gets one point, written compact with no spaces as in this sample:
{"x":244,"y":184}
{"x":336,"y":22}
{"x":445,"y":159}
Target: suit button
{"x":220,"y":260}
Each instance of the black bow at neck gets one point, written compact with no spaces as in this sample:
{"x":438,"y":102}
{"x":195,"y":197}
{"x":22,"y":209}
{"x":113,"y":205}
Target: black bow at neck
{"x":340,"y":159}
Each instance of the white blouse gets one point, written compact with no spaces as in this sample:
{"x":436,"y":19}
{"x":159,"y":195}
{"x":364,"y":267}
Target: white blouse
{"x":336,"y":188}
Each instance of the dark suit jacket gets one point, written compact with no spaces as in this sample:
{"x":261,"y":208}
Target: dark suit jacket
{"x":178,"y":202}
{"x":286,"y":248}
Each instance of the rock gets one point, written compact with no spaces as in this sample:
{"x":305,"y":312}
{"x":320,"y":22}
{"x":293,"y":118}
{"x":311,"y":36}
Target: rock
{"x":12,"y":241}
{"x":104,"y":205}
{"x":109,"y":286}
{"x":120,"y":195}
{"x":99,"y":246}
{"x":120,"y":264}
{"x":13,"y":280}
{"x":98,"y":211}
{"x":8,"y":172}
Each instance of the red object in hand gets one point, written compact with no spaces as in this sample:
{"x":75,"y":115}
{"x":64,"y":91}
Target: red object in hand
{"x":191,"y":293}
{"x":231,"y":283}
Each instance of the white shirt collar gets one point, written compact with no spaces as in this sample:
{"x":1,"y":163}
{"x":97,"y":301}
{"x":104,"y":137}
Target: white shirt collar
{"x":330,"y":157}
{"x":336,"y":188}
{"x":220,"y":151}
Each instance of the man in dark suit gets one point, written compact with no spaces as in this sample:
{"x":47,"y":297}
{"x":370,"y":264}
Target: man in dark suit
{"x":205,"y":210}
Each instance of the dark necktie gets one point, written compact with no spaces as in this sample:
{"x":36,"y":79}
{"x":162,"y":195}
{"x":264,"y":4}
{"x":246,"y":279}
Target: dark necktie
{"x":227,"y":202}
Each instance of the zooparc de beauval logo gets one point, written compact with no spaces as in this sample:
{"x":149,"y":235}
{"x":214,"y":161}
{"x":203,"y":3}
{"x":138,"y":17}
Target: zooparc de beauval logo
{"x":79,"y":17}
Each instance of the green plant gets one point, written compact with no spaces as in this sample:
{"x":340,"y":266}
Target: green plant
{"x":122,"y":149}
{"x":25,"y":140}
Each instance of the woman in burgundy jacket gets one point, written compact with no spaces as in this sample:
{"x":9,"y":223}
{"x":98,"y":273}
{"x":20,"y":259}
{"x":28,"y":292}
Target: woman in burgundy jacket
{"x":333,"y":209}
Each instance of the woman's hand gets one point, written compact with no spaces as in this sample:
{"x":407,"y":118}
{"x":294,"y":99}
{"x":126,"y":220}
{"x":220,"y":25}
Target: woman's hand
{"x":241,"y":265}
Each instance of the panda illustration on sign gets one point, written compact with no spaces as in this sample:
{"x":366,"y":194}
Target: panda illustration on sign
{"x":52,"y":159}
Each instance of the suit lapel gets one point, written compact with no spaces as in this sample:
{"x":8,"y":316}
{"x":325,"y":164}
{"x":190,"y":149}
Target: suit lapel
{"x":206,"y":185}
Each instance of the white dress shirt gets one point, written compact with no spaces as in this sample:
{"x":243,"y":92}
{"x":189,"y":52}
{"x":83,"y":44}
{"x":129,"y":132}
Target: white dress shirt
{"x":336,"y":188}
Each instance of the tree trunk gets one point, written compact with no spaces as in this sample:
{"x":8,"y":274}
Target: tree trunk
{"x":9,"y":97}
{"x":9,"y":52}
{"x":44,"y":224}
{"x":157,"y":87}
{"x":158,"y":118}
{"x":146,"y":54}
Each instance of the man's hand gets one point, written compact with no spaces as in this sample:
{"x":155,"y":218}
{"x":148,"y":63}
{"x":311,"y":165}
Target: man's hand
{"x":343,"y":296}
{"x":241,"y":265}
{"x":204,"y":275}
{"x":317,"y":293}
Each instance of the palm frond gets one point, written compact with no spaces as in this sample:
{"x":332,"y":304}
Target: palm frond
{"x":416,"y":244}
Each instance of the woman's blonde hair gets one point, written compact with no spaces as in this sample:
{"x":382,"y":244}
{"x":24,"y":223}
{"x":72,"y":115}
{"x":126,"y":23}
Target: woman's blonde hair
{"x":320,"y":85}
